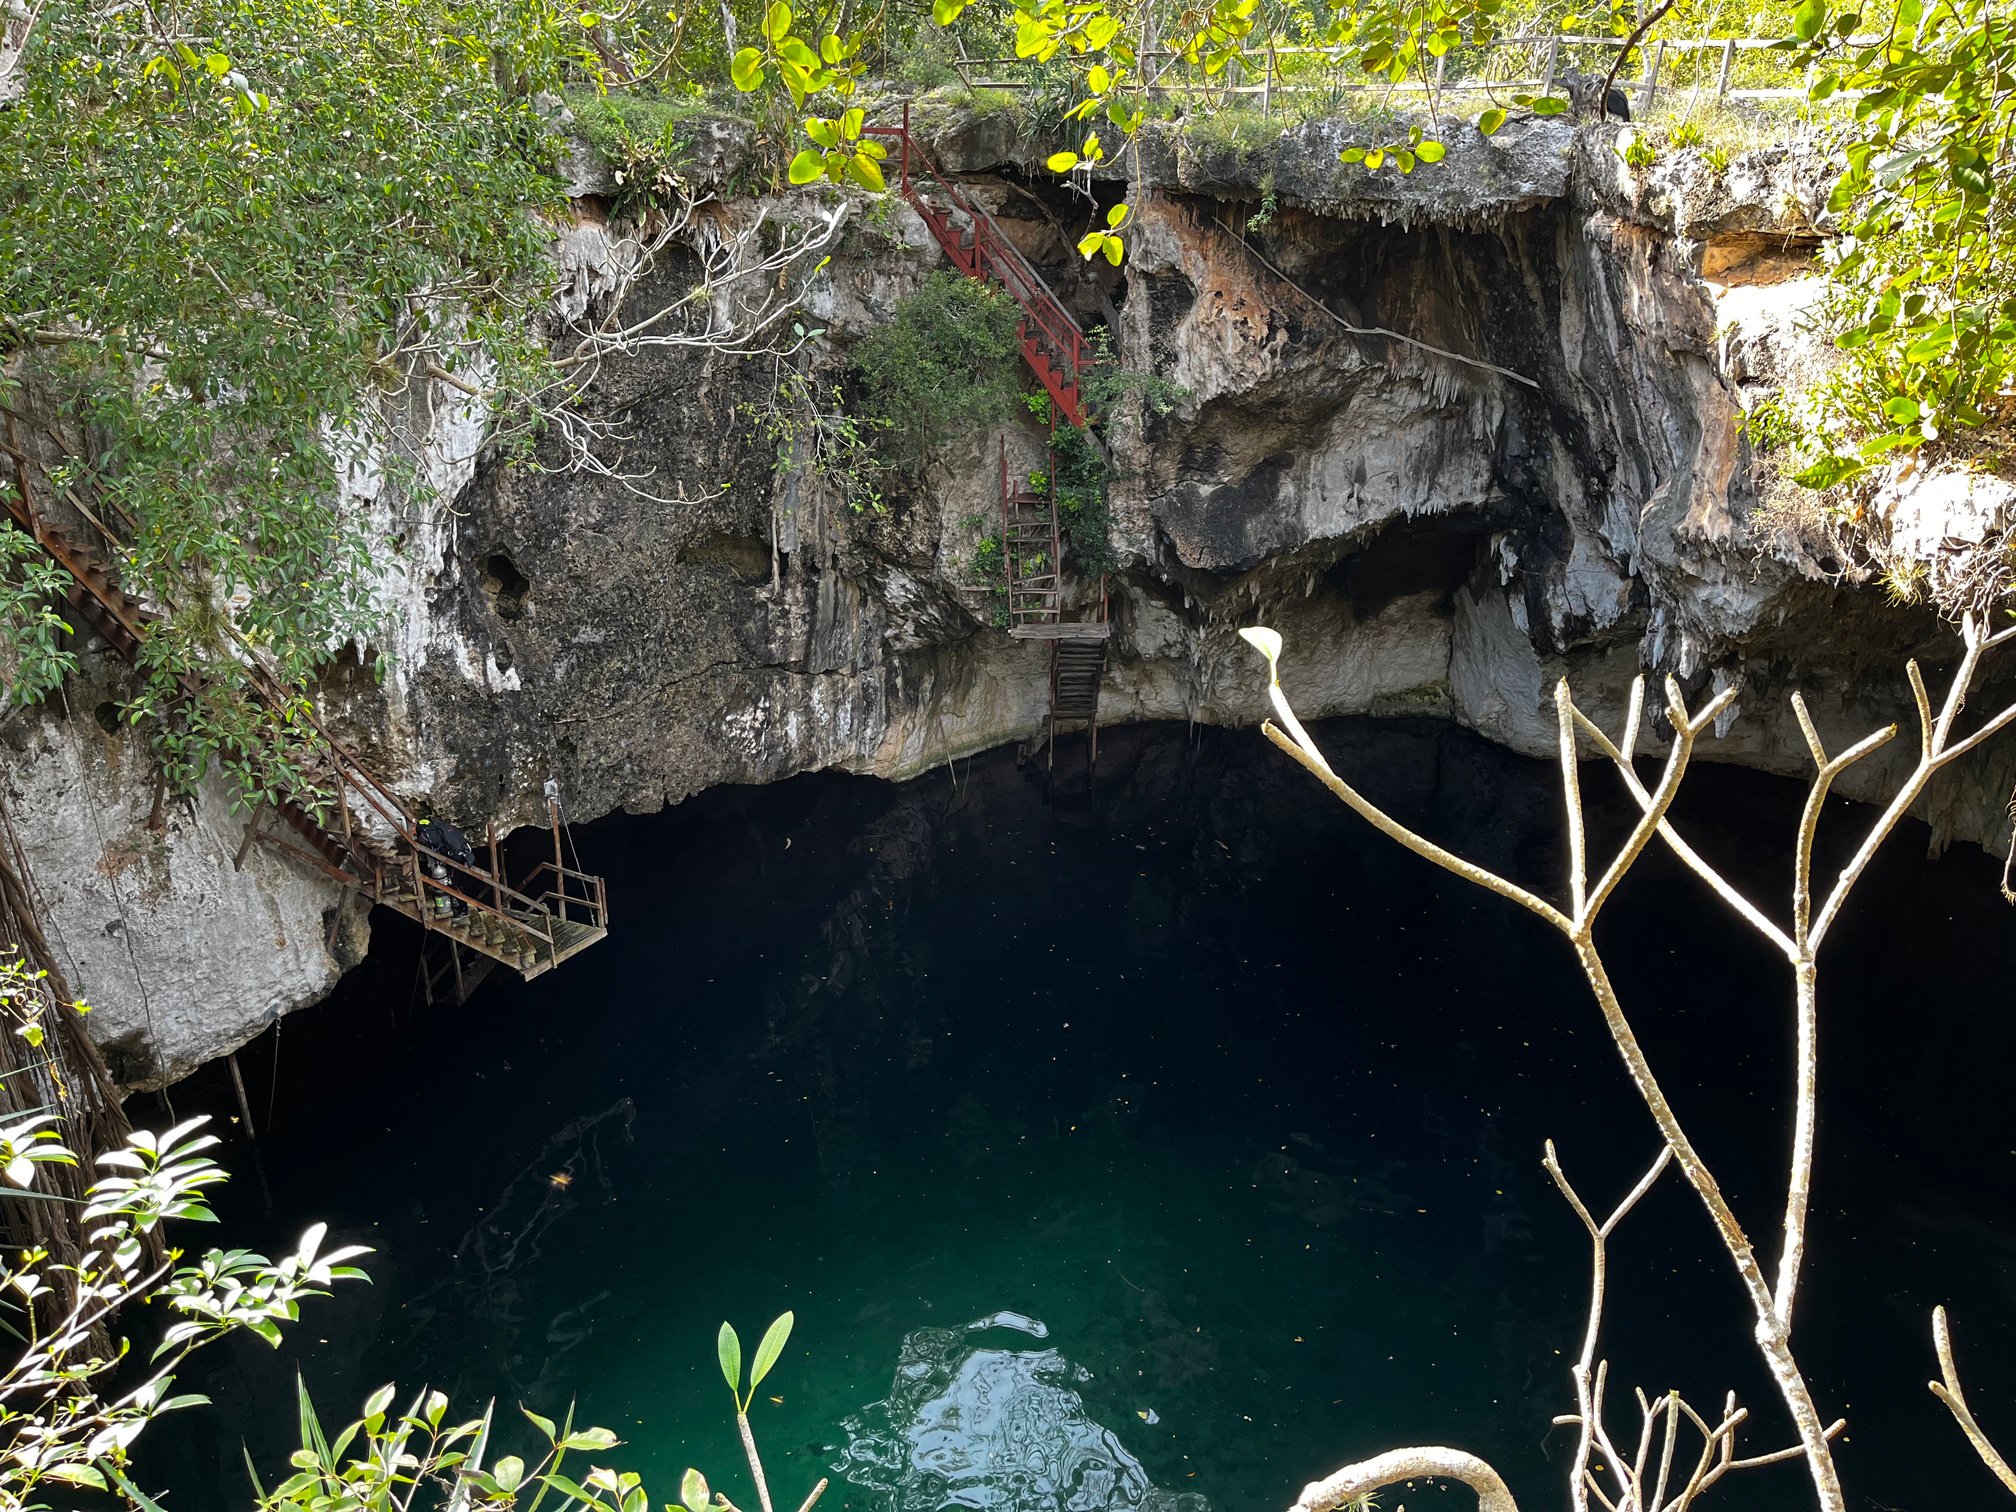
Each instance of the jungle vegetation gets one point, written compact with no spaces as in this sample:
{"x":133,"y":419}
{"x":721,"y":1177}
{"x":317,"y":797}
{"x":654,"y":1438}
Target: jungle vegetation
{"x":246,"y":246}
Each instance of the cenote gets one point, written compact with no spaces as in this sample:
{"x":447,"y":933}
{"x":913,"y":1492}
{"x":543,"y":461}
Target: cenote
{"x":1227,"y":1111}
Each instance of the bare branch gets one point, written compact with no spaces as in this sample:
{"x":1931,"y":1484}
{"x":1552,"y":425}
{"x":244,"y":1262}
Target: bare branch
{"x":1312,"y":760}
{"x":1806,"y":728}
{"x":1584,"y":1373}
{"x":1789,"y":1452}
{"x":1771,"y":1335}
{"x":1571,"y":792}
{"x":1947,"y":1389}
{"x":1397,"y":1465}
{"x":1689,"y":857}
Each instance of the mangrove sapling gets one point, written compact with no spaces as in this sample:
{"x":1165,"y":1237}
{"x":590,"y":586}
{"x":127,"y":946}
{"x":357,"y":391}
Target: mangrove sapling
{"x":729,"y":1346}
{"x":59,"y":1424}
{"x":1771,"y":1301}
{"x":387,"y":1460}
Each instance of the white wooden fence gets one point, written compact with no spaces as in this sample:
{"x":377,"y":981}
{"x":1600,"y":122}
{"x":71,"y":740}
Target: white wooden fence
{"x":1545,"y":55}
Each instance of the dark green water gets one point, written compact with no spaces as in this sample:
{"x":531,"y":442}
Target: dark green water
{"x":1244,"y":1104}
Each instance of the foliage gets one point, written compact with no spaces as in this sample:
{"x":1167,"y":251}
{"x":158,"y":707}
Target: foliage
{"x":218,"y":261}
{"x":647,"y":139}
{"x":814,"y":436}
{"x":1921,"y":294}
{"x":989,"y":566}
{"x":33,"y":657}
{"x":944,"y":362}
{"x":1636,"y":149}
{"x":60,"y":1424}
{"x":1082,"y":513}
{"x":382,"y":1461}
{"x":1081,"y":470}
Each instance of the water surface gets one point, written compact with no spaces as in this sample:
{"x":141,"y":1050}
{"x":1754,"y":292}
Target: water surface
{"x":1235,"y":1109}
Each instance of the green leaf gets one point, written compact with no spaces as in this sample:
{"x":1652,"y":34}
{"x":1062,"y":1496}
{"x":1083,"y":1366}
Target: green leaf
{"x":1934,"y":343}
{"x":1431,"y":151}
{"x":1061,"y":162}
{"x":1827,"y":472}
{"x":1550,"y":105}
{"x":574,"y":1489}
{"x":774,"y":1339}
{"x":807,"y":167}
{"x":1902,"y":409}
{"x":944,"y":12}
{"x":590,"y":1438}
{"x":777,"y":21}
{"x":132,"y":1493}
{"x":1808,"y":19}
{"x":1090,"y":243}
{"x":693,"y":1491}
{"x":1489,"y":122}
{"x":1116,"y":215}
{"x":509,"y":1473}
{"x":822,"y":132}
{"x":1115,"y":250}
{"x":726,"y":1344}
{"x":862,"y":169}
{"x":747,"y":70}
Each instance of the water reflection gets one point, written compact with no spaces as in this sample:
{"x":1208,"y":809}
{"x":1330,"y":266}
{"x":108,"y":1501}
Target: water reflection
{"x":971,"y":1426}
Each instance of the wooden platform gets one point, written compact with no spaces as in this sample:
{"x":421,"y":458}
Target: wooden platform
{"x":1093,"y":630}
{"x":529,"y":946}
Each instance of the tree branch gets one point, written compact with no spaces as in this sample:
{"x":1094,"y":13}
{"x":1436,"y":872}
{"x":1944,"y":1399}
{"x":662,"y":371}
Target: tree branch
{"x":1397,"y":1465}
{"x":1947,"y":1389}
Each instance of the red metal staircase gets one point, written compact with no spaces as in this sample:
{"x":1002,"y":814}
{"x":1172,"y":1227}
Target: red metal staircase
{"x":1054,"y":346}
{"x":1052,"y":342}
{"x":343,"y":822}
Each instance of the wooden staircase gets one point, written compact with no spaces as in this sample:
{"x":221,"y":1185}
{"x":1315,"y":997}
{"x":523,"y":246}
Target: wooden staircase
{"x":344,"y":822}
{"x":1033,"y":548}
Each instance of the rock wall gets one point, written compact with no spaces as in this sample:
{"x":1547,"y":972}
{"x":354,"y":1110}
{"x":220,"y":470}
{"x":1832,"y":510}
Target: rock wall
{"x":1454,"y":435}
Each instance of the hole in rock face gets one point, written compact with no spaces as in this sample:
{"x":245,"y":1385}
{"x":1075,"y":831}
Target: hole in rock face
{"x":746,"y":558}
{"x":107,"y":715}
{"x":1758,"y":257}
{"x":506,"y":586}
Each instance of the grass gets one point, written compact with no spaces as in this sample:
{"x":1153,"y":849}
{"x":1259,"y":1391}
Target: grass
{"x":621,"y":125}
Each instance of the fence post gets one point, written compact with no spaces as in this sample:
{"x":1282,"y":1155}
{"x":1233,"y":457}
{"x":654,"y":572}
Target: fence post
{"x":496,"y":872}
{"x":1553,"y":57}
{"x":1728,"y":61}
{"x":1651,"y":77}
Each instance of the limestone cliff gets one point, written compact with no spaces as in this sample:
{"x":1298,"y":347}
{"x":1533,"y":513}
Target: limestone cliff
{"x":1455,"y":435}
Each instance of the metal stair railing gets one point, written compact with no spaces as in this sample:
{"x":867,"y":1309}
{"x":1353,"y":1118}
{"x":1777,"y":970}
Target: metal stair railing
{"x":1052,"y":341}
{"x":360,"y":860}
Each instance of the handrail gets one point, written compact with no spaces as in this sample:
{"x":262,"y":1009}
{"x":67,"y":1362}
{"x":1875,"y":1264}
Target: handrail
{"x":994,"y":254}
{"x":364,"y":861}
